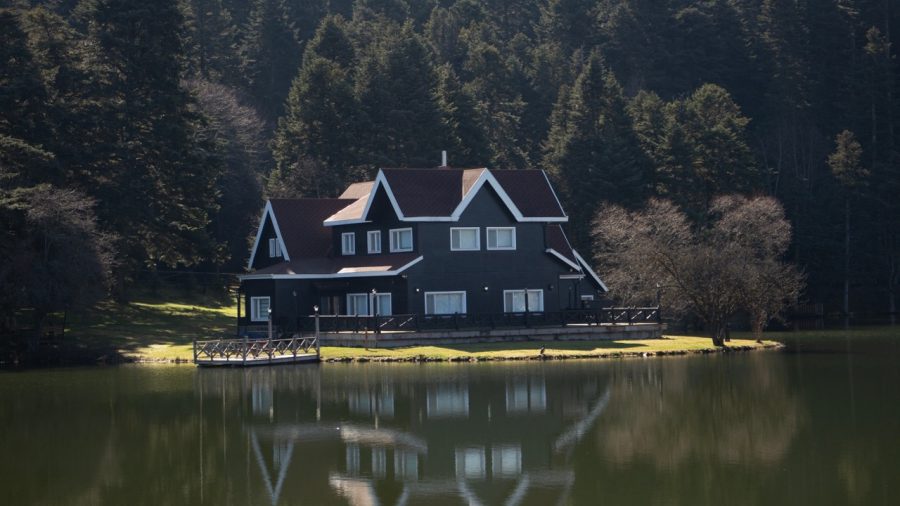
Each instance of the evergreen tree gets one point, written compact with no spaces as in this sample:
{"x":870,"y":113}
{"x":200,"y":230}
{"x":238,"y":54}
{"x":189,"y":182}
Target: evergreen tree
{"x":270,"y":56}
{"x":212,"y":41}
{"x":592,"y":152}
{"x":401,"y":115}
{"x":317,"y":138}
{"x":156,"y":187}
{"x":469,"y":146}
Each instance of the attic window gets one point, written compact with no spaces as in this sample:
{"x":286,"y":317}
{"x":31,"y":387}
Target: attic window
{"x":348,"y":243}
{"x":274,"y":248}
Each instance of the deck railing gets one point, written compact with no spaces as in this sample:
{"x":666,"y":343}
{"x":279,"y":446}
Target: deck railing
{"x":419,"y":323}
{"x":242,"y":350}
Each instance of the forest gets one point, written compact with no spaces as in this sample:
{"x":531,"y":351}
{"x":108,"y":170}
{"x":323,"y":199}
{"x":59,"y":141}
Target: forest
{"x":143,"y":136}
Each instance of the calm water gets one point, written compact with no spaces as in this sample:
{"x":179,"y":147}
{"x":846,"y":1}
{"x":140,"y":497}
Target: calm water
{"x":818,"y":426}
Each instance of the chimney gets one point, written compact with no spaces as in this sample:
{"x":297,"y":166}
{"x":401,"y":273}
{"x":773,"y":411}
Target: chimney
{"x":443,"y":158}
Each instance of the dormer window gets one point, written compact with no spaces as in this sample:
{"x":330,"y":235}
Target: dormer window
{"x":501,"y":238}
{"x":465,"y":239}
{"x":401,"y":240}
{"x":348,"y":243}
{"x":274,"y":248}
{"x":373,"y":241}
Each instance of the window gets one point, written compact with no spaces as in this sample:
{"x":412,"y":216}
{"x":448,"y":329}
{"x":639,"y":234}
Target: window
{"x":274,"y":248}
{"x":501,"y":238}
{"x":465,"y":239}
{"x":357,"y":304}
{"x":383,"y":304}
{"x":401,"y":240}
{"x":373,"y":241}
{"x":445,"y":302}
{"x":259,"y":309}
{"x":348,"y":243}
{"x":514,"y":301}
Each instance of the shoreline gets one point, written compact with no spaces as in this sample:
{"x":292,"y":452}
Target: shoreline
{"x":511,"y":352}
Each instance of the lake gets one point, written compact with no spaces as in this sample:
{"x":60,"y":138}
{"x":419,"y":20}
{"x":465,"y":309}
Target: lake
{"x":817,"y":423}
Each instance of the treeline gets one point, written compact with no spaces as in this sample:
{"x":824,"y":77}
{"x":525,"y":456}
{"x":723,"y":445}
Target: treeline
{"x":176,"y":118}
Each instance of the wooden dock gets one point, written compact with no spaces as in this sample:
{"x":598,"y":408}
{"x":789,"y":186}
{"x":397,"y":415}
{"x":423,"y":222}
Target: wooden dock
{"x":251,"y":352}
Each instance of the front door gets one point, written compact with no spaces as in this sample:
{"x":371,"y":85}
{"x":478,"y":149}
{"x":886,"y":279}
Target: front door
{"x":330,"y":304}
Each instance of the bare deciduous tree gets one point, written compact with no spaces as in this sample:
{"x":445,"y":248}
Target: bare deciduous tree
{"x":731,"y":263}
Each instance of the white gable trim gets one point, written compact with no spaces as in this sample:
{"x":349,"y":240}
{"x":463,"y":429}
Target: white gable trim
{"x":380,"y":181}
{"x":565,"y":260}
{"x":485,"y":177}
{"x":337,"y":275}
{"x":547,"y":179}
{"x":268,"y":211}
{"x":590,"y":271}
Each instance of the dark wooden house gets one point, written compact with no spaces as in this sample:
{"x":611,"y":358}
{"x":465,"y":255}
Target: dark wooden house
{"x":417,"y":241}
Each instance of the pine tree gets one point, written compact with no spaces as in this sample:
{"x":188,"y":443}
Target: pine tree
{"x":469,"y":144}
{"x":24,"y":128}
{"x":270,"y":56}
{"x":156,"y":186}
{"x":592,"y":151}
{"x":212,"y":41}
{"x":317,"y":138}
{"x":395,"y":86}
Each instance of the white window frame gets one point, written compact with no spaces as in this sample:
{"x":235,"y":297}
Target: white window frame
{"x":373,"y":241}
{"x":523,"y":291}
{"x":395,"y":243}
{"x":460,"y":229}
{"x":274,"y":247}
{"x":255,"y":309}
{"x":372,"y":304}
{"x":465,"y":307}
{"x":365,"y":297}
{"x":496,"y":230}
{"x":351,"y":250}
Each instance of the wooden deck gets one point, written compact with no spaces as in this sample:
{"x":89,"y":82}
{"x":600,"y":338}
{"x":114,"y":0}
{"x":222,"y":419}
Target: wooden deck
{"x":251,"y":352}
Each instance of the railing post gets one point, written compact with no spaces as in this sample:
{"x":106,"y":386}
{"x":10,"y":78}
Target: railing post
{"x":658,"y":314}
{"x":195,"y":351}
{"x":628,"y":316}
{"x":244,"y":350}
{"x":318,"y":349}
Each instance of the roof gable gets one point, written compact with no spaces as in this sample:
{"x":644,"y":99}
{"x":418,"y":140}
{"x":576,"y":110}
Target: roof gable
{"x":442,"y":194}
{"x":298,"y":226}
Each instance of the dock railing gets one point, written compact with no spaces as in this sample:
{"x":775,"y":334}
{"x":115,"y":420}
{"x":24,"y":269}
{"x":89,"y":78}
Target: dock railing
{"x":243,"y":350}
{"x":420,"y":323}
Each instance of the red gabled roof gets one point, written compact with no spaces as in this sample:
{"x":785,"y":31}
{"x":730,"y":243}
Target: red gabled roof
{"x":300,"y":224}
{"x":557,"y":241}
{"x":531,"y":192}
{"x":438,"y":192}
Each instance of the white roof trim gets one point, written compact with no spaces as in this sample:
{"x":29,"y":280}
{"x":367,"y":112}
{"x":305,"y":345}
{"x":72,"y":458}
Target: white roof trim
{"x":364,"y":274}
{"x":484,"y":177}
{"x":590,"y":271}
{"x":268,"y":211}
{"x":547,"y":179}
{"x":565,"y":260}
{"x":380,"y":181}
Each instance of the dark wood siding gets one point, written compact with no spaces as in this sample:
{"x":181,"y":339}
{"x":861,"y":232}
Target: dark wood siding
{"x":262,"y":259}
{"x":528,"y":266}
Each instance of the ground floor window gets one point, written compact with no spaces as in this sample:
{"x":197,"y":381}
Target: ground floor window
{"x":445,"y":302}
{"x":358,"y":304}
{"x":514,"y":301}
{"x":259,"y":309}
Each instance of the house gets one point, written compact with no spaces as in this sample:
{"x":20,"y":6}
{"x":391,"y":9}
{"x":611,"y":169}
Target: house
{"x":434,"y":241}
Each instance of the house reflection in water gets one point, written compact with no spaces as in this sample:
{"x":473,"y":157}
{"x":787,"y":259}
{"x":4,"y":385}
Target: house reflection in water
{"x":420,"y":437}
{"x":445,"y":401}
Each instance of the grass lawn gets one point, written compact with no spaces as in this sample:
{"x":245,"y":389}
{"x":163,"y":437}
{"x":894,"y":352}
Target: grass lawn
{"x":153,"y":328}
